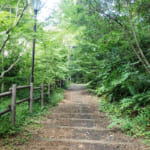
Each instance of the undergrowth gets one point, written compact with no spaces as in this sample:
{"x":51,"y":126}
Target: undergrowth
{"x":125,"y":97}
{"x":132,"y":122}
{"x":24,"y":117}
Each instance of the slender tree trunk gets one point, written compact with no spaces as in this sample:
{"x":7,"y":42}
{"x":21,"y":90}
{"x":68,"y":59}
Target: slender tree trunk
{"x":2,"y":86}
{"x":2,"y":81}
{"x":136,"y":40}
{"x":142,"y":58}
{"x":139,"y":53}
{"x":136,"y":53}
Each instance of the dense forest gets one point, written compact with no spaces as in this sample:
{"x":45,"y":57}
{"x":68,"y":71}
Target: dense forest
{"x":17,"y":34}
{"x":111,"y":54}
{"x":104,"y":44}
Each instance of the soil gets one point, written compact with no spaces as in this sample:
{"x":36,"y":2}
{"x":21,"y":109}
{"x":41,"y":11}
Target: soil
{"x":77,"y":124}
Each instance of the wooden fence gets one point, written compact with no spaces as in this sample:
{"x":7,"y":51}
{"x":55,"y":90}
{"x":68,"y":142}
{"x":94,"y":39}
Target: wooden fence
{"x":13,"y":91}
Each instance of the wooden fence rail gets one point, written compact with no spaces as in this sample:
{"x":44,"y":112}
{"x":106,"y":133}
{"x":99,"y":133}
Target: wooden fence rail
{"x":5,"y":94}
{"x":13,"y":92}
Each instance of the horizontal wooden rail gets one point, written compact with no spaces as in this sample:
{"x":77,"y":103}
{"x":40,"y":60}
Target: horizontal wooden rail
{"x":13,"y":92}
{"x":20,"y":101}
{"x":38,"y":98}
{"x":23,"y":100}
{"x":4,"y":111}
{"x":20,"y":87}
{"x":5,"y":94}
{"x":23,"y":87}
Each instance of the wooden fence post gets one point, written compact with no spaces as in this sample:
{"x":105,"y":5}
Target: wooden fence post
{"x":13,"y":105}
{"x":31,"y":97}
{"x":42,"y":94}
{"x":60,"y":83}
{"x":48,"y":90}
{"x":64,"y":83}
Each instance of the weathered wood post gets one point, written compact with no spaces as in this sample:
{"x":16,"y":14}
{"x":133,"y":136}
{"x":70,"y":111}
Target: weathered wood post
{"x":48,"y":90}
{"x":64,"y":83}
{"x":42,"y":94}
{"x":60,"y":83}
{"x":13,"y":105}
{"x":31,"y":97}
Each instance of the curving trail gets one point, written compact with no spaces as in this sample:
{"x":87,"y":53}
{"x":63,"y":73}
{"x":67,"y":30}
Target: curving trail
{"x":76,"y":124}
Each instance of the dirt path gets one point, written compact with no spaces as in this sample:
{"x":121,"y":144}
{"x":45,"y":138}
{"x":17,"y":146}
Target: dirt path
{"x":76,"y":124}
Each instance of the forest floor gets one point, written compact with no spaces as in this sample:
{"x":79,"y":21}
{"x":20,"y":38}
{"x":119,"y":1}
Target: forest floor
{"x":77,"y":124}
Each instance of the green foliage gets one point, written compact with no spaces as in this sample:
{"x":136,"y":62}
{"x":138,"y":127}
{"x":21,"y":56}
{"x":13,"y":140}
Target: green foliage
{"x":23,"y":116}
{"x":5,"y":20}
{"x":132,"y":119}
{"x":104,"y":58}
{"x":50,"y":60}
{"x":50,"y":55}
{"x":56,"y":97}
{"x":95,"y":43}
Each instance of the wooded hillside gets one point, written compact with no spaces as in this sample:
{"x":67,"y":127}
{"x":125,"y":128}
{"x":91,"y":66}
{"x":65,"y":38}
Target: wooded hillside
{"x":105,"y":44}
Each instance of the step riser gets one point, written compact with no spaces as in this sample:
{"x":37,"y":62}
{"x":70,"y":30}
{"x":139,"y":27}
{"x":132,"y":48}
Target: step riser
{"x":82,"y":134}
{"x":79,"y":146}
{"x":74,"y":123}
{"x":71,"y":119}
{"x":76,"y":116}
{"x":82,"y":141}
{"x":77,"y":124}
{"x":79,"y":128}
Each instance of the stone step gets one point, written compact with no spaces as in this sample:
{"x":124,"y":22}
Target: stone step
{"x":71,"y":107}
{"x":82,"y":141}
{"x":78,"y":146}
{"x":72,"y":144}
{"x":74,"y":110}
{"x":83,"y":134}
{"x":77,"y":122}
{"x":69,"y":122}
{"x":74,"y":119}
{"x":77,"y":115}
{"x":80,"y":128}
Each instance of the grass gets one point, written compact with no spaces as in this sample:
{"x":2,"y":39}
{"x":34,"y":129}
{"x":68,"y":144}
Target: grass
{"x":25,"y":121}
{"x":23,"y":116}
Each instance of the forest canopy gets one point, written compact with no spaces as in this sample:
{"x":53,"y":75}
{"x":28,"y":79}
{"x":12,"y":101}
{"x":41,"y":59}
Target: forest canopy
{"x":111,"y":54}
{"x":105,"y":44}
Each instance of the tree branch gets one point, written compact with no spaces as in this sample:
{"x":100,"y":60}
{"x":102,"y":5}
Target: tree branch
{"x":17,"y":11}
{"x":142,"y":58}
{"x":10,"y":68}
{"x":22,"y":13}
{"x":136,"y":40}
{"x":8,"y":31}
